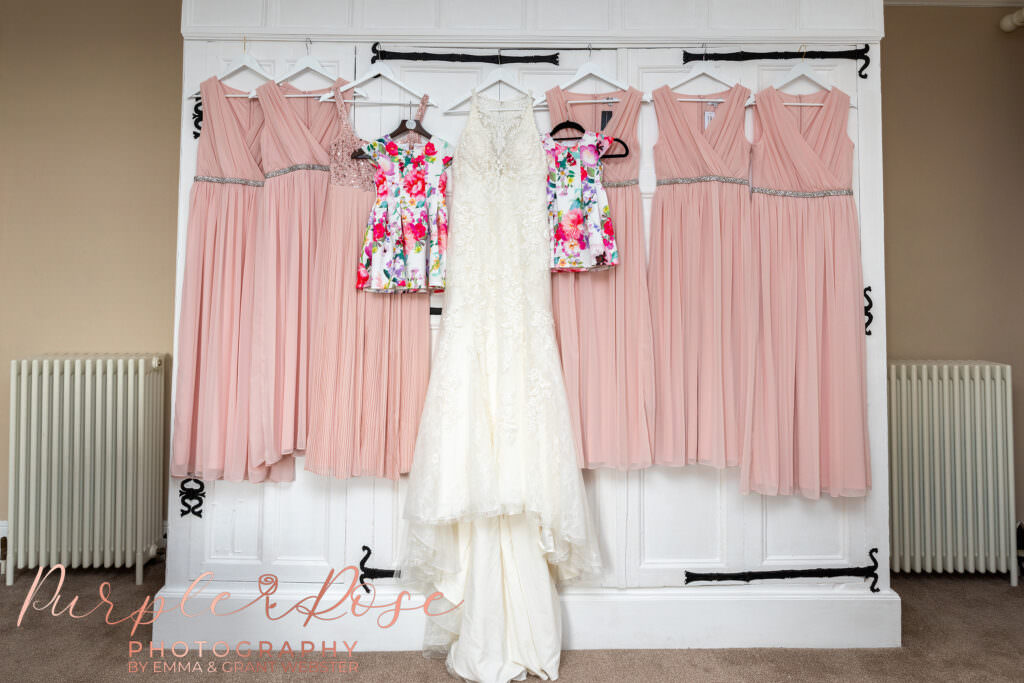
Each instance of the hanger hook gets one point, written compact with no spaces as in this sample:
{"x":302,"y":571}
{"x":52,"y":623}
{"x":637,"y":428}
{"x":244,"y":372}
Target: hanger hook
{"x":243,"y":45}
{"x":309,"y":44}
{"x":499,"y":56}
{"x":590,"y":51}
{"x":803,"y":49}
{"x":705,"y":58}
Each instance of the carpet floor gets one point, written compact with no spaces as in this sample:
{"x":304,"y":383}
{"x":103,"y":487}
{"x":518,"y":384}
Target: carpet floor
{"x":955,"y":628}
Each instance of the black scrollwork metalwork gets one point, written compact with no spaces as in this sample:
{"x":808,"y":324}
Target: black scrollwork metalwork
{"x":197,"y":119}
{"x":868,"y":315}
{"x":191,"y":493}
{"x":868,"y":572}
{"x":861,"y":54}
{"x":371,"y":572}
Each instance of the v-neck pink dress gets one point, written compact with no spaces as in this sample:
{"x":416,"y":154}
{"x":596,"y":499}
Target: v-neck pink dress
{"x":703,"y":304}
{"x":602,"y":318}
{"x":214,"y":326}
{"x":810,"y":431}
{"x":296,"y":164}
{"x":371,"y":352}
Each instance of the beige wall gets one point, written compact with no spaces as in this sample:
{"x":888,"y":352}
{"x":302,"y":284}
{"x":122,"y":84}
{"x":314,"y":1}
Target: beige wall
{"x":953,"y":136}
{"x":89,"y":111}
{"x":88,"y":185}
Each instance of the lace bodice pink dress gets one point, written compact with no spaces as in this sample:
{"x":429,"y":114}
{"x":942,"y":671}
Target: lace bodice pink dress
{"x":371,"y":352}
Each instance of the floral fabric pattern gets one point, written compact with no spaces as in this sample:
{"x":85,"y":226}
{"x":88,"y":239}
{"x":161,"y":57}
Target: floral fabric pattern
{"x":407,"y":232}
{"x":582,"y":235}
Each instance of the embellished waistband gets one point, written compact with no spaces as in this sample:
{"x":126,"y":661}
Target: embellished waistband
{"x":298,"y":167}
{"x":231,"y":181}
{"x":703,"y":179}
{"x":621,"y":183}
{"x":799,"y":193}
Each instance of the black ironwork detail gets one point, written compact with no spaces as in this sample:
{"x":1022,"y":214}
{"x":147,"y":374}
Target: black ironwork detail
{"x":868,"y":572}
{"x":371,"y":572}
{"x":191,"y":493}
{"x":380,"y":54}
{"x":197,"y":119}
{"x":868,"y":315}
{"x":858,"y":54}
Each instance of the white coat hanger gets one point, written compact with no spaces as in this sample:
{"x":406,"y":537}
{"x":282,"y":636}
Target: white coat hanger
{"x":311,"y":64}
{"x":377,"y":71}
{"x":800,"y":70}
{"x":497,"y":77}
{"x":707,"y":70}
{"x":589,"y":69}
{"x":244,"y":63}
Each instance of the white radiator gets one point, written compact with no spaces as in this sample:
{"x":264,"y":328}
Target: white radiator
{"x":86,"y":461}
{"x":951,"y":467}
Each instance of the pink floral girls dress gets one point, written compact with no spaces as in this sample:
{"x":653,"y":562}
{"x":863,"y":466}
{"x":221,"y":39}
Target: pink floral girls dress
{"x":407,"y":232}
{"x":582,"y":236}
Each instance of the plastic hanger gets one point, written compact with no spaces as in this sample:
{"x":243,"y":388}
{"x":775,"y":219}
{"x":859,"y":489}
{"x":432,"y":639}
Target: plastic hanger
{"x":405,"y":127}
{"x":499,"y":76}
{"x":377,"y":71}
{"x":589,"y":69}
{"x":707,"y":70}
{"x":244,"y":63}
{"x":313,"y":65}
{"x":799,"y":71}
{"x":569,"y":124}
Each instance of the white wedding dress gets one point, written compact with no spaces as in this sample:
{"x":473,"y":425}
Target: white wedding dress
{"x":496,"y":510}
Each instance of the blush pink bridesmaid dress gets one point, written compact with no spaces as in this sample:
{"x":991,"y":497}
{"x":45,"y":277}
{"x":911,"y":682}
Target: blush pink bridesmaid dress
{"x":371,"y":352}
{"x":809,"y":424}
{"x":703,"y":305}
{"x":296,"y":164}
{"x":214,"y":327}
{"x":602,"y":318}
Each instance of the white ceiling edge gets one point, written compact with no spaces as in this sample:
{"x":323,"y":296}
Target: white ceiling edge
{"x":956,"y":3}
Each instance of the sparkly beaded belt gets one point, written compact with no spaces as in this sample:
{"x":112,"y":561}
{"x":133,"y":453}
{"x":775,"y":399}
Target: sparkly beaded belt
{"x":702,"y":179}
{"x":298,"y":167}
{"x":231,"y":181}
{"x":798,"y":193}
{"x":621,"y":183}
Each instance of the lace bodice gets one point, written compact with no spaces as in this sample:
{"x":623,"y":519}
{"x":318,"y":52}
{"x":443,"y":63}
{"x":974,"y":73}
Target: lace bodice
{"x":344,"y":169}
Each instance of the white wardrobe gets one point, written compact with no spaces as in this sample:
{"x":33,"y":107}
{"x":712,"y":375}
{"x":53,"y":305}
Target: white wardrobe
{"x":654,"y":524}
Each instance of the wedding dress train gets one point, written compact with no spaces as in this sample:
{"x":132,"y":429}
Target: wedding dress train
{"x":496,"y":510}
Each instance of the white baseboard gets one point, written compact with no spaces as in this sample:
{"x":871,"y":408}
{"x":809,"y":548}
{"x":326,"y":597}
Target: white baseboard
{"x":806,"y":615}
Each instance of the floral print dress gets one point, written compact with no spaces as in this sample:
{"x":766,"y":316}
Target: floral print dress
{"x":582,"y":236}
{"x":407,"y":232}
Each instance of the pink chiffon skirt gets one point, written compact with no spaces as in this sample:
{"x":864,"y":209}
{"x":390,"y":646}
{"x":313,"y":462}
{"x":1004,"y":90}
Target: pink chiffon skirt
{"x":603,"y":327}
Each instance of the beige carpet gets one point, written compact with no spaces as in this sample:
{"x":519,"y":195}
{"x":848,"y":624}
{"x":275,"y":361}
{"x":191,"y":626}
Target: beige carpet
{"x":954,"y":629}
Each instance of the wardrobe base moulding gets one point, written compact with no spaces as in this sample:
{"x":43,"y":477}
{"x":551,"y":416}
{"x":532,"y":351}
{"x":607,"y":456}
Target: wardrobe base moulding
{"x":805,"y":616}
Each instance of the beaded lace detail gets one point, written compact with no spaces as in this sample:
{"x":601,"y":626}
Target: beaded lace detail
{"x":344,"y":169}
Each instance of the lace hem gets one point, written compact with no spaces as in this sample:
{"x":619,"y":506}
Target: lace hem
{"x":430,"y":550}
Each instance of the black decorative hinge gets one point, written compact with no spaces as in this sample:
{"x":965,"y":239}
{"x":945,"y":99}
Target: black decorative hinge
{"x":868,"y":572}
{"x":197,"y":119}
{"x":191,"y":492}
{"x":868,"y":315}
{"x":371,"y":572}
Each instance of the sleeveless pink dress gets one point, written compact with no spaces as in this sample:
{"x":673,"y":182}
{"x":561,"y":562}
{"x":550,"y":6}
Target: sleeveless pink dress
{"x":810,"y":424}
{"x":703,"y":304}
{"x":371,"y":352}
{"x":602,"y":318}
{"x":296,"y":164}
{"x":214,"y":327}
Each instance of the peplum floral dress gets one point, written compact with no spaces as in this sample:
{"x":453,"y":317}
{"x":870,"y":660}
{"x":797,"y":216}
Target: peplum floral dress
{"x":407,"y":232}
{"x":582,"y":235}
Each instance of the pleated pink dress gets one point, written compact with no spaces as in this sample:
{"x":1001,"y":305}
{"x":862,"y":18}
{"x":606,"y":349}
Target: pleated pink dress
{"x":296,"y":164}
{"x":703,"y":302}
{"x":371,"y":352}
{"x":602,"y":318}
{"x":810,"y":424}
{"x":214,"y":328}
